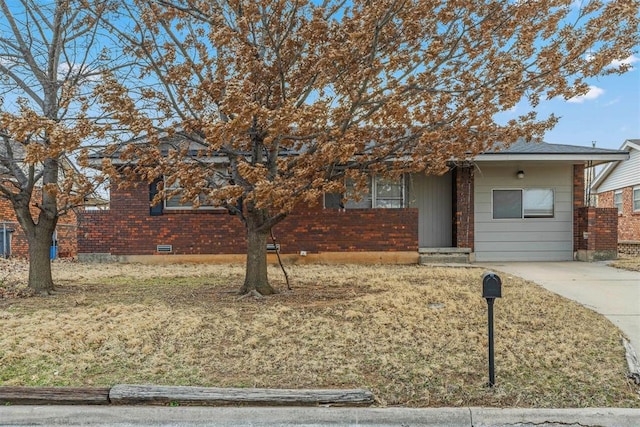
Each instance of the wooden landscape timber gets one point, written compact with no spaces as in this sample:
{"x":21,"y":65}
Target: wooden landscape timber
{"x":183,"y":395}
{"x":125,"y":394}
{"x":54,"y":395}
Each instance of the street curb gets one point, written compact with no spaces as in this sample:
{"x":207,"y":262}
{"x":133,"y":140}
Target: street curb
{"x":632,"y":361}
{"x":128,"y":394}
{"x":129,"y":416}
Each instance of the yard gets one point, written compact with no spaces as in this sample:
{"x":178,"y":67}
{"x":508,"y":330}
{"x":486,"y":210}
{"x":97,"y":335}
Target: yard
{"x":627,"y":263}
{"x":415,"y":336}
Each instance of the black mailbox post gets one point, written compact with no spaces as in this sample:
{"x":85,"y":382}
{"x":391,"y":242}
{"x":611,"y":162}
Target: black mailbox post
{"x":491,"y":289}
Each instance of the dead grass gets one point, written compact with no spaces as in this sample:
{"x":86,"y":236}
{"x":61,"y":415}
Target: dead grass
{"x":415,"y":336}
{"x":627,"y":263}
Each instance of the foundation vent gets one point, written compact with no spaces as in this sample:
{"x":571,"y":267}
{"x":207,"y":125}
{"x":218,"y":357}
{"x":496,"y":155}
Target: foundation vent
{"x":164,"y":249}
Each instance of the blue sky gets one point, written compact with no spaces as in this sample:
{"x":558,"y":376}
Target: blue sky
{"x":609,"y":114}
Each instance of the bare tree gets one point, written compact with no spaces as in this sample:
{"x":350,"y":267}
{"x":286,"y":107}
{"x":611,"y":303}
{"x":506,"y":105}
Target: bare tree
{"x":302,"y":96}
{"x":50,"y":56}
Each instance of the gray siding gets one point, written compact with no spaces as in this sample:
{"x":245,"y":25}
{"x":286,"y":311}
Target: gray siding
{"x":624,"y":174}
{"x":527,"y":239}
{"x":432,"y":196}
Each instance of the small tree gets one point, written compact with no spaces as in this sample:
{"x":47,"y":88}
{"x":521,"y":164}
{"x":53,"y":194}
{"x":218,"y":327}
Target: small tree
{"x":299,"y":95}
{"x":48,"y":55}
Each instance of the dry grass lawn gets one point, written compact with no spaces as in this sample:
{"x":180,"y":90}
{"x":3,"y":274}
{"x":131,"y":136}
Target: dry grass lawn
{"x":627,"y":263}
{"x":415,"y":336}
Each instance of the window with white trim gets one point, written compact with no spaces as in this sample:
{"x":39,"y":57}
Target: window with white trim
{"x":383,"y":193}
{"x":617,"y":200}
{"x":517,"y":203}
{"x":636,"y":199}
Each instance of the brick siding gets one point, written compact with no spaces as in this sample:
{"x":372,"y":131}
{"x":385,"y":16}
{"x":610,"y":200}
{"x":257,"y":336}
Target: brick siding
{"x":628,"y":220}
{"x":578,"y":202}
{"x":66,"y":232}
{"x":463,"y":230}
{"x":629,"y":247}
{"x":128,"y":228}
{"x":596,"y":229}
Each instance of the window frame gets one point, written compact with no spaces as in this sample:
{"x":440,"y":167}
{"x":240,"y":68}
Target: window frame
{"x":493,"y":203}
{"x":620,"y":204}
{"x":371,"y":199}
{"x":635,"y":196}
{"x":182,"y":206}
{"x":377,"y":182}
{"x":523,"y":204}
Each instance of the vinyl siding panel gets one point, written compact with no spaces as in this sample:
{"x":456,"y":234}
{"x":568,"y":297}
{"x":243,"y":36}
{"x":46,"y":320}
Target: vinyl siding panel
{"x":432,"y":196}
{"x":526,"y":239}
{"x":624,"y":174}
{"x":530,"y":256}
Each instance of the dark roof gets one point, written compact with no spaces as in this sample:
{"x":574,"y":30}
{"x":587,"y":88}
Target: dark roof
{"x":540,"y":147}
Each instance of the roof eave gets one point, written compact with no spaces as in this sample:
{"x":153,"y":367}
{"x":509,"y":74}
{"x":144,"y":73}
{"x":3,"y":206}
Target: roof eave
{"x":604,"y":173}
{"x":595,"y":159}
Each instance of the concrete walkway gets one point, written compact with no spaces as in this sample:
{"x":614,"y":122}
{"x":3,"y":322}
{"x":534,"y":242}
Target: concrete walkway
{"x":613,"y":292}
{"x":129,"y":416}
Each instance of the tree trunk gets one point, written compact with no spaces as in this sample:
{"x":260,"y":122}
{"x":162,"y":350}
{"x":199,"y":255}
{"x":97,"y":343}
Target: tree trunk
{"x":39,"y":232}
{"x":40,"y":278}
{"x":256,"y":267}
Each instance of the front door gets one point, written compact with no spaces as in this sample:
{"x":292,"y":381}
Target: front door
{"x":432,"y":195}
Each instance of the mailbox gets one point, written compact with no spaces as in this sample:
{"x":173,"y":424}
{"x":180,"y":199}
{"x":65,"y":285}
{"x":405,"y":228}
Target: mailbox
{"x":491,"y":285}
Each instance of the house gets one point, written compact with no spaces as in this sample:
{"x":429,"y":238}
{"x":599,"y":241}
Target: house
{"x":13,"y":241}
{"x":520,"y":203}
{"x":618,"y":186}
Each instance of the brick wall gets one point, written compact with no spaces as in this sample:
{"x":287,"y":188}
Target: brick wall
{"x":66,"y":232}
{"x":629,"y":247}
{"x":463,"y":229}
{"x":596,"y":232}
{"x":128,"y":228}
{"x":578,"y":202}
{"x":628,"y":220}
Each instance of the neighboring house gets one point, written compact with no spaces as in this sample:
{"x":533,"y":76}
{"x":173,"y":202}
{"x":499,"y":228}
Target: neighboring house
{"x":618,"y":186}
{"x":522,"y":203}
{"x":13,"y":241}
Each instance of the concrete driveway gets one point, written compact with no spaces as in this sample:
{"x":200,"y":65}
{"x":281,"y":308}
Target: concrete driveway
{"x":610,"y":291}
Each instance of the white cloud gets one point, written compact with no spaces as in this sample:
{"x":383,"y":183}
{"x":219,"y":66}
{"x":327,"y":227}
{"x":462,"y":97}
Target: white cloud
{"x":594,"y":92}
{"x":65,"y":69}
{"x":612,"y":102}
{"x":627,"y":61}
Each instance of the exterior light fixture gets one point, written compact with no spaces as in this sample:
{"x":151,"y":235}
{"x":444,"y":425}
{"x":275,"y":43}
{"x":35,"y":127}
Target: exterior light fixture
{"x":520,"y":174}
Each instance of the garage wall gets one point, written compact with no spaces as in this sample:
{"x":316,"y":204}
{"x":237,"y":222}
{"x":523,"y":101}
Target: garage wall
{"x":526,"y":239}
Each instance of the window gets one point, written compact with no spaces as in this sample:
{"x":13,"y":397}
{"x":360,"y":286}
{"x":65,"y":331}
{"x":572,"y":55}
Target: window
{"x":538,"y":203}
{"x":523,"y":203}
{"x":636,"y":199}
{"x":388,"y":193}
{"x":175,"y":201}
{"x":617,"y":200}
{"x":507,"y":204}
{"x":382,"y":193}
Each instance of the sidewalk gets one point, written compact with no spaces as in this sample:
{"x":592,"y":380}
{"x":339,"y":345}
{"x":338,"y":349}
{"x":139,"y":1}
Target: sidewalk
{"x":124,"y":416}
